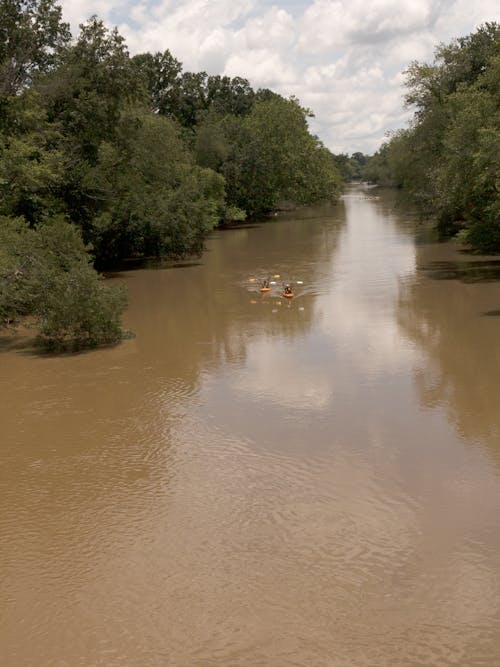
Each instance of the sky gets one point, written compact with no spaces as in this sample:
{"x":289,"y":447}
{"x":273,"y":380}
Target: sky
{"x":343,"y":59}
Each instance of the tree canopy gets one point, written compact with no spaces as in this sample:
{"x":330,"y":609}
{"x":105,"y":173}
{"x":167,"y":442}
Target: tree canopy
{"x":449,"y":157}
{"x":32,"y":36}
{"x":125,"y":157}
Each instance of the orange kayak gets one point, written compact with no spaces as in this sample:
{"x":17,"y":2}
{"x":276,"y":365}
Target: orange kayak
{"x":288,"y":295}
{"x":265,"y":289}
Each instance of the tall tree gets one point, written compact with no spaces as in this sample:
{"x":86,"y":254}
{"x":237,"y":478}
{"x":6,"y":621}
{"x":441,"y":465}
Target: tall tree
{"x":161,"y":75}
{"x":448,"y":157}
{"x":153,"y":200}
{"x":273,"y":158}
{"x":94,"y":81}
{"x":32,"y":35}
{"x":32,"y":161}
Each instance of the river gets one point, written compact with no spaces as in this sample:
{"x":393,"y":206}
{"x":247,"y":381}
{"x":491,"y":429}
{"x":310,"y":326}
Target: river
{"x":252,"y":480}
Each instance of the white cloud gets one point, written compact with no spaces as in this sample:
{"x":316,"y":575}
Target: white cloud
{"x":342,"y":58}
{"x":214,"y":49}
{"x":196,"y":32}
{"x":261,"y":65}
{"x":328,"y":23}
{"x":275,"y":28}
{"x":78,"y":11}
{"x":419,"y":46}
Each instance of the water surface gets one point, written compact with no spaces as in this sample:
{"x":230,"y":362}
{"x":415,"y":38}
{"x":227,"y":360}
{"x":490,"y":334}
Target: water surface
{"x":254,"y":481}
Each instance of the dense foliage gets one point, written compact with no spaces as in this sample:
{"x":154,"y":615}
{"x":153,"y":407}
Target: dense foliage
{"x":351,"y":167}
{"x":46,"y":273}
{"x":126,"y":157}
{"x":449,"y":157}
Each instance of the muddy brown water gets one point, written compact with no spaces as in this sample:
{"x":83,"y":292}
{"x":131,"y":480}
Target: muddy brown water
{"x":257,"y":481}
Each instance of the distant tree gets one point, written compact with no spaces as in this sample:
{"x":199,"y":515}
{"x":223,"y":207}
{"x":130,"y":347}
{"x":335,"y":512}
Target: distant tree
{"x":273,"y":158}
{"x":358,"y":162}
{"x":343,"y":163}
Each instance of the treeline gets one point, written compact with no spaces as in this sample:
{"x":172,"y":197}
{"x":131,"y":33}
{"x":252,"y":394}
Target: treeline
{"x":449,"y":157}
{"x":122,"y":156}
{"x":351,"y":167}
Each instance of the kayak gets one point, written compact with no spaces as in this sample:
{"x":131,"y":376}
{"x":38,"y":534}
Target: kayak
{"x":265,"y":289}
{"x":288,"y":295}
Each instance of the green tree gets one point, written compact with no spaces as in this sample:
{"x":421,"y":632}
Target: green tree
{"x":161,"y":76}
{"x":358,"y":162}
{"x":188,"y":96}
{"x":273,"y":158}
{"x":47,"y":273}
{"x":32,"y":161}
{"x":226,"y":95}
{"x":211,"y":146}
{"x":448,"y":157}
{"x":94,"y":82}
{"x":153,"y":199}
{"x":16,"y":256}
{"x":32,"y":35}
{"x":343,"y":164}
{"x":86,"y":97}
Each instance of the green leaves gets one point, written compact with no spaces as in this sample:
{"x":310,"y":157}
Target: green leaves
{"x":272,"y":158}
{"x":132,"y":156}
{"x":32,"y":162}
{"x":47,"y":274}
{"x":449,"y":158}
{"x":32,"y":35}
{"x":153,"y":199}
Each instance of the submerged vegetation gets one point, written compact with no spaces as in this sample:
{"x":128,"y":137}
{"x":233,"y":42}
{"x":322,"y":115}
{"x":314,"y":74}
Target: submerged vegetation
{"x":47,"y":274}
{"x":449,"y":157}
{"x":123,"y":156}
